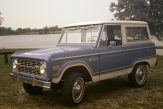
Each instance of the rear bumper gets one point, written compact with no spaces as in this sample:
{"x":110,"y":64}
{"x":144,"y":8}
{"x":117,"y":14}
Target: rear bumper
{"x":32,"y":81}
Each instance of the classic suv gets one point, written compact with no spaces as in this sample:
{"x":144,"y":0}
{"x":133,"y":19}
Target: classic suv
{"x":88,"y":52}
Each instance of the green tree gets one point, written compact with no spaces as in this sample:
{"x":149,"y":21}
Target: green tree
{"x":1,"y":18}
{"x":150,"y":11}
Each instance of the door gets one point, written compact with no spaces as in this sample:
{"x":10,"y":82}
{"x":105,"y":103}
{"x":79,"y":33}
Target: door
{"x":112,"y":53}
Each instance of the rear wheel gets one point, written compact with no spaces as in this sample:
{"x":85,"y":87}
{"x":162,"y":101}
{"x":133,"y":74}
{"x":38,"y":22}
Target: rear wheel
{"x":32,"y":90}
{"x":138,"y":76}
{"x":73,"y":89}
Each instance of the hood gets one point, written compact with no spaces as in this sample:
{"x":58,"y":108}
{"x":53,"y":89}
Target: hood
{"x":45,"y":54}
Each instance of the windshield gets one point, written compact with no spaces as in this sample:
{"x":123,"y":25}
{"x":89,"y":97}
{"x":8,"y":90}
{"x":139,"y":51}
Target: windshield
{"x":87,"y":34}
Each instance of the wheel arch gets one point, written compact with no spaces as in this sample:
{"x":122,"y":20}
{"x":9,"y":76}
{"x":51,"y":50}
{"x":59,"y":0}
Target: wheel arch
{"x":150,"y":62}
{"x":146,"y":63}
{"x":78,"y":69}
{"x":74,"y":66}
{"x":142,"y":62}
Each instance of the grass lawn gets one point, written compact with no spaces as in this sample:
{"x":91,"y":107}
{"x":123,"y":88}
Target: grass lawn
{"x":111,"y":94}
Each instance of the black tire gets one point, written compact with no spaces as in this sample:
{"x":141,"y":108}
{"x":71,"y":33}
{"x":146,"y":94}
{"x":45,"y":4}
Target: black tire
{"x":32,"y":90}
{"x":138,"y":77}
{"x":73,"y":89}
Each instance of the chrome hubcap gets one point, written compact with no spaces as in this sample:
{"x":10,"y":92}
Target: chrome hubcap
{"x":78,"y":90}
{"x":141,"y":75}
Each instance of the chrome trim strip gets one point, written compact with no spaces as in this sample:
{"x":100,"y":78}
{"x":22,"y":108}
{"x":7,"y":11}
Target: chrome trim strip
{"x":116,"y":69}
{"x":115,"y":74}
{"x":79,"y":56}
{"x":32,"y":81}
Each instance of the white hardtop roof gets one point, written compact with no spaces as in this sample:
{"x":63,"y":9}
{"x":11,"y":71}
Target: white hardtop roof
{"x":107,"y":22}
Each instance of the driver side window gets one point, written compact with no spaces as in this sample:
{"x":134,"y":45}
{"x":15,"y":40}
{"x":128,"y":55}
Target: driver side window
{"x":111,"y":36}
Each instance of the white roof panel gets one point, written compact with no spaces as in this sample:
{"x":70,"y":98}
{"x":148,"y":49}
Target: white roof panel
{"x":106,"y":22}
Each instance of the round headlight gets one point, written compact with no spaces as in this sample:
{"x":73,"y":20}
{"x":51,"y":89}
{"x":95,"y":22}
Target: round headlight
{"x":14,"y":64}
{"x":43,"y":68}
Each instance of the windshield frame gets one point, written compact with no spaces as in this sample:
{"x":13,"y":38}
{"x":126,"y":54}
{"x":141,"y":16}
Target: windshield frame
{"x":81,"y":27}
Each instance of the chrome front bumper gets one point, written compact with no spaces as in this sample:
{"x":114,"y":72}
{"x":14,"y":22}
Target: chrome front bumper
{"x":32,"y":81}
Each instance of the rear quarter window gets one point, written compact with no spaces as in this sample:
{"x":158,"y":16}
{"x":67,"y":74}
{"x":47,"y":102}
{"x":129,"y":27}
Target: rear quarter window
{"x":135,"y":34}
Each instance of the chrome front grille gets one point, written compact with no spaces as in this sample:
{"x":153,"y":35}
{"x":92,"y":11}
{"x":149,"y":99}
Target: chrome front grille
{"x":29,"y":66}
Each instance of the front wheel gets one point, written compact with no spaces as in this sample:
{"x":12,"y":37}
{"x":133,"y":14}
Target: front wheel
{"x":138,"y":76}
{"x":73,"y":89}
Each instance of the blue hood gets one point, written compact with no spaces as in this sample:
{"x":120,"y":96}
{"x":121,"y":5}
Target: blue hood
{"x":45,"y":54}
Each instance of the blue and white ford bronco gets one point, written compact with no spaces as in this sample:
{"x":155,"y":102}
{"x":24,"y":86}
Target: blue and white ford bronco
{"x":85,"y":53}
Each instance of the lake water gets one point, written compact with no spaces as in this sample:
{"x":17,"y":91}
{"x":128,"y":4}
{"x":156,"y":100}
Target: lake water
{"x":29,"y":41}
{"x":42,"y":41}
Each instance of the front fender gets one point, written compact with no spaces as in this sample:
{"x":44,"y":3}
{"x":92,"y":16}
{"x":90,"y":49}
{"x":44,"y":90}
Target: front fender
{"x":71,"y":64}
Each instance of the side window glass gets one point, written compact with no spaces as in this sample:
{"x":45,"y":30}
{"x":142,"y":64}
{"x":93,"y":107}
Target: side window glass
{"x":117,"y":35}
{"x":136,"y":34}
{"x":111,"y":36}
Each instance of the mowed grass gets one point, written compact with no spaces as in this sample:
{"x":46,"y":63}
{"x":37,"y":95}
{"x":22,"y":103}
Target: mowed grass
{"x":111,"y":94}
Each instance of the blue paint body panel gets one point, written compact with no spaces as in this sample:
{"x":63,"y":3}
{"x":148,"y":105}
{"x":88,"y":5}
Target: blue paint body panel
{"x":98,"y":59}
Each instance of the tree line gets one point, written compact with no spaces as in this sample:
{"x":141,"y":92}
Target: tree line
{"x":150,"y":11}
{"x":27,"y":31}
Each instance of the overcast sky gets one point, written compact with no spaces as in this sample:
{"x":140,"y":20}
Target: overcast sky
{"x":41,"y":13}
